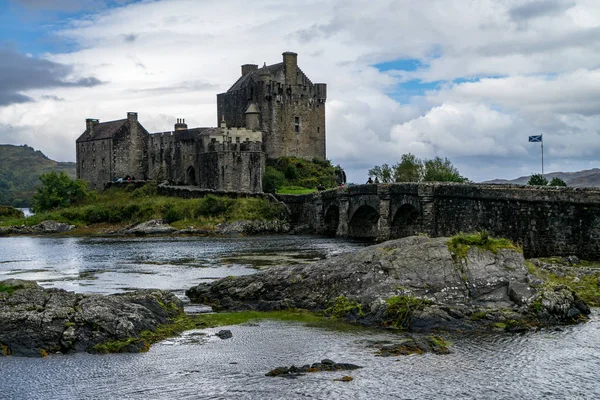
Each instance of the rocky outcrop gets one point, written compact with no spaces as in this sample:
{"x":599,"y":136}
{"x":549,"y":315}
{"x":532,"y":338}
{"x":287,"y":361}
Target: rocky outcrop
{"x":43,"y":227}
{"x":414,"y":282}
{"x":36,"y":321}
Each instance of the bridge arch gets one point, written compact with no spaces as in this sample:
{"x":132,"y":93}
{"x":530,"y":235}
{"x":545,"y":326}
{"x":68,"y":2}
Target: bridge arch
{"x":406,"y":222}
{"x":364,"y":222}
{"x":190,"y":176}
{"x":331,"y":220}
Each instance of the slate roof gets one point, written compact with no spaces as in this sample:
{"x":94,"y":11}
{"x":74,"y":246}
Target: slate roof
{"x":103,"y":130}
{"x":240,"y":83}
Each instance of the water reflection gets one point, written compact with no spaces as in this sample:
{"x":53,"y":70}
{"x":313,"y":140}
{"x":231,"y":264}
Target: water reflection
{"x":109,"y":265}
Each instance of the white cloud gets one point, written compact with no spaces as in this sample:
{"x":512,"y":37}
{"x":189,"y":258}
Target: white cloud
{"x":538,"y":66}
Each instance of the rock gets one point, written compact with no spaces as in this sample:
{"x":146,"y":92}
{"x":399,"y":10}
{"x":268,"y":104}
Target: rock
{"x":43,"y":227}
{"x":412,"y":345}
{"x":316,"y":367}
{"x":344,"y":379}
{"x":36,"y":321}
{"x":152,"y":227}
{"x":413,"y":282}
{"x":253,"y":227}
{"x":224,"y":334}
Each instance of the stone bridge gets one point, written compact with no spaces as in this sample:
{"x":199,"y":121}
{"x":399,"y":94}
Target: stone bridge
{"x":543,"y":220}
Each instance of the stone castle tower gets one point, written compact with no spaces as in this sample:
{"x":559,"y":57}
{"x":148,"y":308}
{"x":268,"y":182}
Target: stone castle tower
{"x":283,"y":103}
{"x":272,"y":112}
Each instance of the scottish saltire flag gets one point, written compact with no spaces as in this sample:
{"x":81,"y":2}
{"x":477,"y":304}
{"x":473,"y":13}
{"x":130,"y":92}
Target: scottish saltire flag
{"x":537,"y":138}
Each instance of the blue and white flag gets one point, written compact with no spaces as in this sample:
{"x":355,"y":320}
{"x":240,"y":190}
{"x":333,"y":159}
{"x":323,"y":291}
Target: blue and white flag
{"x":537,"y":138}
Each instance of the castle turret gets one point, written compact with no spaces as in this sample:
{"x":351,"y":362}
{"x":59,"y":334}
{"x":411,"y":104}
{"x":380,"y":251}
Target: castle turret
{"x":252,"y":117}
{"x":290,"y":62}
{"x":180,"y":125}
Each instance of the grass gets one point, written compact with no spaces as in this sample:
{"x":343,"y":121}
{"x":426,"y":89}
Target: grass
{"x":295,"y":190}
{"x":460,"y":244}
{"x":585,"y":286}
{"x":186,"y":322}
{"x":123,"y":206}
{"x":342,"y":307}
{"x":400,"y":310}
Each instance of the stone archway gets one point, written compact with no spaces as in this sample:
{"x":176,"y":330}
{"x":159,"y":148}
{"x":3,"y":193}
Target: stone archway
{"x":364,"y":223}
{"x":406,"y":222}
{"x":331,"y":220}
{"x":190,"y":176}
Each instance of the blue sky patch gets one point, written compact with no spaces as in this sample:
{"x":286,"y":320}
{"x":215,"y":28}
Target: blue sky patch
{"x":403,"y":64}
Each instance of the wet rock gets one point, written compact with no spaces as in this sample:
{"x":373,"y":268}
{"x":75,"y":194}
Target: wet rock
{"x":324,"y":365}
{"x":36,"y":321}
{"x":44,"y":227}
{"x":224,"y":334}
{"x":344,"y":379}
{"x":413,"y":282}
{"x":253,"y":227}
{"x":412,"y":345}
{"x":153,"y":227}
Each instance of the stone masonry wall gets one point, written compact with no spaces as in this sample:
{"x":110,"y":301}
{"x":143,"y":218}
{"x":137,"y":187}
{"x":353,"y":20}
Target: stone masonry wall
{"x":544,"y":221}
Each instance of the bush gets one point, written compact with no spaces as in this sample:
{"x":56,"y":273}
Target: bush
{"x":273,"y":179}
{"x":557,"y":182}
{"x":211,"y":206}
{"x":537,"y":180}
{"x":58,"y":191}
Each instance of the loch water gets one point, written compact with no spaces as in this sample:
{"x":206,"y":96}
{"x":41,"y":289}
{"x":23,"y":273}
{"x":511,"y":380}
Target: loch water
{"x":548,"y":364}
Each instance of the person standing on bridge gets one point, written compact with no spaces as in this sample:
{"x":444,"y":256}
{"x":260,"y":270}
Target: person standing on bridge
{"x":370,"y":181}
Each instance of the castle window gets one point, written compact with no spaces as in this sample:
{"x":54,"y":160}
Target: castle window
{"x":237,"y":139}
{"x":103,"y":163}
{"x":318,"y":129}
{"x":93,"y":146}
{"x":94,"y":163}
{"x":82,"y":164}
{"x":296,"y":124}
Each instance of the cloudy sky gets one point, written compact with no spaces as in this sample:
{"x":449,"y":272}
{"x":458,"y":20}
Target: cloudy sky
{"x":465,"y":79}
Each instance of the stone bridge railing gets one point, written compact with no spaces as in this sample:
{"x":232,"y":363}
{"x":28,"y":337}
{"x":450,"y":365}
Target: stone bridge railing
{"x":543,"y":220}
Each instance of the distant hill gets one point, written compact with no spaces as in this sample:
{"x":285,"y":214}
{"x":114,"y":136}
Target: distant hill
{"x":586,"y":178}
{"x":20,"y":168}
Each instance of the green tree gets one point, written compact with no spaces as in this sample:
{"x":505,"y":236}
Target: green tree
{"x":58,"y":191}
{"x":537,"y":180}
{"x":383,"y":173}
{"x":557,"y":182}
{"x":438,"y":170}
{"x":272,"y":179}
{"x":409,"y":169}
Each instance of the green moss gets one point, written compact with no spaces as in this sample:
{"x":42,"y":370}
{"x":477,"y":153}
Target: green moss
{"x":441,"y":344}
{"x":400,"y":310}
{"x":585,"y":286}
{"x":460,"y":244}
{"x":479,"y":315}
{"x":342,"y":307}
{"x":9,"y":289}
{"x":186,"y":322}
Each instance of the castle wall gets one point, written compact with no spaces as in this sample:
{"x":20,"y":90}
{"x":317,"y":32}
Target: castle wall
{"x":95,"y":162}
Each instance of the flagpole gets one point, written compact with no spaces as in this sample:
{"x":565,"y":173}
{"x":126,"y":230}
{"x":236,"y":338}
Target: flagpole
{"x":542,"y":142}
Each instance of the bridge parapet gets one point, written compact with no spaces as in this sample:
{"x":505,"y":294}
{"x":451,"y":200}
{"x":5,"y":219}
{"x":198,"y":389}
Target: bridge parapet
{"x":544,"y":220}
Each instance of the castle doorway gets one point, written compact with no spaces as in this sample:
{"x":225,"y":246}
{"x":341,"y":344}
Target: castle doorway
{"x":190,"y":176}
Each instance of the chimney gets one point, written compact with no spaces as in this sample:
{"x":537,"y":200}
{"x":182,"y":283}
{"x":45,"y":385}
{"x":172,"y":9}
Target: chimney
{"x":89,"y":125}
{"x":290,"y":62}
{"x":180,"y":125}
{"x":247,"y":68}
{"x":132,"y":117}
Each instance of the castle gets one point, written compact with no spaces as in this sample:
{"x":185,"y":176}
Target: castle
{"x":269,"y":112}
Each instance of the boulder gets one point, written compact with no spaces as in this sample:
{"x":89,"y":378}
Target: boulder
{"x":36,"y":321}
{"x":414,"y":282}
{"x":152,"y":227}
